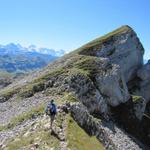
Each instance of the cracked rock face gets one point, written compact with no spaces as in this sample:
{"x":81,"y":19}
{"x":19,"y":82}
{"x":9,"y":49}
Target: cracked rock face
{"x":112,"y":86}
{"x":106,"y":88}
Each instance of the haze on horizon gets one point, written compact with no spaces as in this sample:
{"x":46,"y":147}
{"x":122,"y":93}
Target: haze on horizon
{"x":70,"y":24}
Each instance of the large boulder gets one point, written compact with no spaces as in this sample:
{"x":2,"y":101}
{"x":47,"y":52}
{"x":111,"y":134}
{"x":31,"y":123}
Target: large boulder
{"x":112,"y":86}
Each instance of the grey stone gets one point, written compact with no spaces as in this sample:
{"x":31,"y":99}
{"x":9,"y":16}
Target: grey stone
{"x":143,"y":84}
{"x":144,"y":72}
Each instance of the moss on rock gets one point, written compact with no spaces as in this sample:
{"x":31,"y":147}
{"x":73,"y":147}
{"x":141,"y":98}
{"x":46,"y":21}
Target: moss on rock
{"x":136,"y":98}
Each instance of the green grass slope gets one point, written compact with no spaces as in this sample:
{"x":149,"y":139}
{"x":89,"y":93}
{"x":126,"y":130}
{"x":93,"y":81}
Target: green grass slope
{"x":78,"y":139}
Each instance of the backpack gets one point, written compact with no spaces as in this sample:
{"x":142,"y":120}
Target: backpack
{"x":51,"y":109}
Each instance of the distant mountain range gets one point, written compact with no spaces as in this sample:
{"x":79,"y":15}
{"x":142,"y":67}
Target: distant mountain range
{"x":17,"y":59}
{"x":17,"y":48}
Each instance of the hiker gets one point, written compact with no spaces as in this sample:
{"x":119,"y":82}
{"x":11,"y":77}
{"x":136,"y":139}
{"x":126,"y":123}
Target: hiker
{"x":51,"y":111}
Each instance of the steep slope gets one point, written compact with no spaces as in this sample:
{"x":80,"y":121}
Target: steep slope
{"x":91,"y":85}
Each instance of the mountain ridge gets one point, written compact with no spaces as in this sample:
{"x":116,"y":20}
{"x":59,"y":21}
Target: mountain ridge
{"x":102,"y":87}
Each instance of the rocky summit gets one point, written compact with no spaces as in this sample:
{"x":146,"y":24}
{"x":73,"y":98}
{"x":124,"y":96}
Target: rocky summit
{"x":102,"y":94}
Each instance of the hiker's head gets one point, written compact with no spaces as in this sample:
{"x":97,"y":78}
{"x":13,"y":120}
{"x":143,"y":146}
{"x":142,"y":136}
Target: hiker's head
{"x":52,"y":101}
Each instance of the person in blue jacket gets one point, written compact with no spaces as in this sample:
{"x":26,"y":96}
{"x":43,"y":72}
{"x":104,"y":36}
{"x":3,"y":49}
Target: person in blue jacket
{"x":51,"y":111}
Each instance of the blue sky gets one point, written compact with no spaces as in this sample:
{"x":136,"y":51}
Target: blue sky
{"x":68,"y":24}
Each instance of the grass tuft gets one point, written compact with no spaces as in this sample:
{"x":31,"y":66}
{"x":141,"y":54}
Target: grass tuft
{"x":136,"y":98}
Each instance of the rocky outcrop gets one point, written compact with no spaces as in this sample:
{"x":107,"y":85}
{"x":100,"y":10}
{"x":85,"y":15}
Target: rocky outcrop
{"x":117,"y":57}
{"x":102,"y":86}
{"x":122,"y":47}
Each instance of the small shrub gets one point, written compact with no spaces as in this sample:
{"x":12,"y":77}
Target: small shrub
{"x":38,"y":87}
